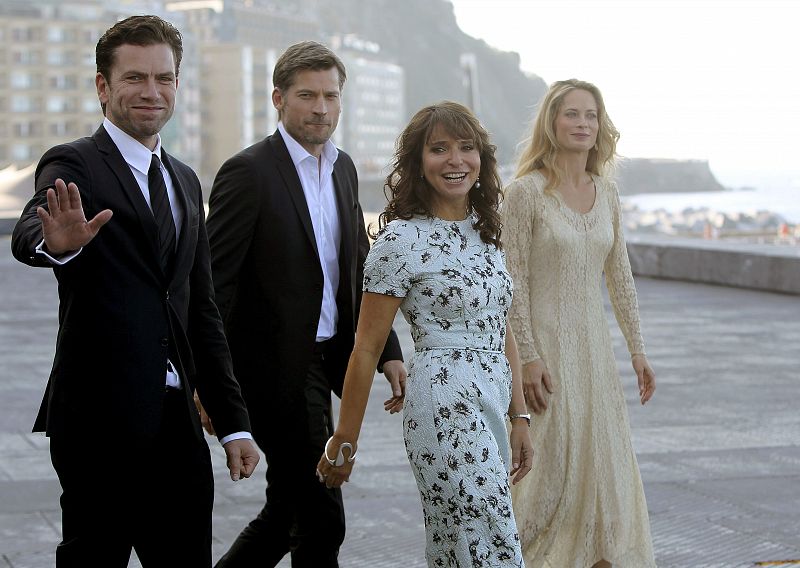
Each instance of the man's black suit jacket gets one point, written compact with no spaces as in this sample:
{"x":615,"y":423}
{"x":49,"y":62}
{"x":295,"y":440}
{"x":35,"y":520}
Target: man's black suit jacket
{"x":268,"y":277}
{"x":119,"y":315}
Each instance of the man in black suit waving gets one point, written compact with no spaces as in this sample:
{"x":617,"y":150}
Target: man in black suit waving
{"x":138,"y":327}
{"x":288,"y":245}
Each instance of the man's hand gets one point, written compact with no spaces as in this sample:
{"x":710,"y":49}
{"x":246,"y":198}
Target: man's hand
{"x":204,"y":419}
{"x":395,"y":372}
{"x":64,"y":227}
{"x":242,"y":457}
{"x":536,"y":385}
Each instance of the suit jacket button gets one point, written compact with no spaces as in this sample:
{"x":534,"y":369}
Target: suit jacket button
{"x":167,"y":296}
{"x":164,"y":342}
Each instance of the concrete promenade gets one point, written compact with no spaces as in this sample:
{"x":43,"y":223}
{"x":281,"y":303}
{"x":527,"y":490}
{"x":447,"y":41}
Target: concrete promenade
{"x":719,"y":445}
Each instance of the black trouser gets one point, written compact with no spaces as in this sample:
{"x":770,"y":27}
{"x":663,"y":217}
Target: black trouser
{"x":155,"y":497}
{"x":301,"y":516}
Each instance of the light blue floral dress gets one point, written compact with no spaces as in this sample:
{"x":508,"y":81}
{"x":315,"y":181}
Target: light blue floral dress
{"x":456,"y":293}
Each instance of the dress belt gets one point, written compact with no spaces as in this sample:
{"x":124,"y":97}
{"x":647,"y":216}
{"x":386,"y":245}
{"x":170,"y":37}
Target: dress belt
{"x":457,"y":348}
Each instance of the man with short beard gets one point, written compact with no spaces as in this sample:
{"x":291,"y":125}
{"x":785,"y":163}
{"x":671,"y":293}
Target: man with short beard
{"x":288,"y":245}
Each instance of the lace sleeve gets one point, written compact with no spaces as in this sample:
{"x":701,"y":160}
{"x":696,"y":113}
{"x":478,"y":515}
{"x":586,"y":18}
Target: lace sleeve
{"x":518,"y":214}
{"x":619,"y":281}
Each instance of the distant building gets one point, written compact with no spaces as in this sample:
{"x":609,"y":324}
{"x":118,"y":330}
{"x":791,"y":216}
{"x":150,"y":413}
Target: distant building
{"x":239,"y":42}
{"x":48,"y":94}
{"x":373,"y":113}
{"x":47,"y":77}
{"x":469,"y":67}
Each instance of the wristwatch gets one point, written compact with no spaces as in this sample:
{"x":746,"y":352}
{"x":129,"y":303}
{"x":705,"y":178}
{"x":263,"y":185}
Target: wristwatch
{"x":525,"y":416}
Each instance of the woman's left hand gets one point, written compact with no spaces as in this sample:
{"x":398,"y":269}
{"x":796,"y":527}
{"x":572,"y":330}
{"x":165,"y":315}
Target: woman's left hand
{"x":646,"y":377}
{"x":521,"y":451}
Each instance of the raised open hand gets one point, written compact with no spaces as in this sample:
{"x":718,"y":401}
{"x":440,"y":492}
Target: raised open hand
{"x":64,"y":226}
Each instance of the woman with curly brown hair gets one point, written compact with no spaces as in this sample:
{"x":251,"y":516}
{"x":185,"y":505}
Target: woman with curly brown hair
{"x":585,"y":505}
{"x":437,"y":258}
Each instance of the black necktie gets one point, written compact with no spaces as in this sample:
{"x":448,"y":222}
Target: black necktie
{"x":159,"y":203}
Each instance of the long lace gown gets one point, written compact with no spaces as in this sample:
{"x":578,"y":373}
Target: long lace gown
{"x":456,"y":297}
{"x":583,"y":500}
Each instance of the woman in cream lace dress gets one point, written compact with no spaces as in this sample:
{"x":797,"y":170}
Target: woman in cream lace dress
{"x":583,"y":504}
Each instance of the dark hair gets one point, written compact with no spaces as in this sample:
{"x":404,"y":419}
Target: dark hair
{"x":306,"y":55}
{"x":410,"y":194}
{"x":136,"y":30}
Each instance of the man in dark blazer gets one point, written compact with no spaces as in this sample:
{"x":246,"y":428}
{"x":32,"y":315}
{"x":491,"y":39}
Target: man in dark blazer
{"x":138,"y":327}
{"x":288,"y":245}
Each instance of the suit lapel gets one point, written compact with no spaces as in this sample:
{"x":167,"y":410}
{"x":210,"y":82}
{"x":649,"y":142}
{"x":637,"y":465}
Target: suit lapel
{"x":292,"y":180}
{"x":345,"y":204}
{"x":187,"y":239}
{"x":130,"y":189}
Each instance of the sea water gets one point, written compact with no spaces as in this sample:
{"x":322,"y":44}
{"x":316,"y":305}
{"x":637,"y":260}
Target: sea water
{"x":784,"y":202}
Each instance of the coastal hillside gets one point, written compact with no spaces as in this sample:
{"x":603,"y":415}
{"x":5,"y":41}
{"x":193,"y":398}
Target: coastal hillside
{"x":641,"y":175}
{"x":424,"y":38}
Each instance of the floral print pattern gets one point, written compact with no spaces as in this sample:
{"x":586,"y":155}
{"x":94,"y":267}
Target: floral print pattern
{"x":457,"y":294}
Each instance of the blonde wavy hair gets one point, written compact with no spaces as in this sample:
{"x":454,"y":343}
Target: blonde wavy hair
{"x":540,"y":150}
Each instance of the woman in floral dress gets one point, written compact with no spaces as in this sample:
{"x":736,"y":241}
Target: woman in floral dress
{"x":438,"y":259}
{"x":584,"y":504}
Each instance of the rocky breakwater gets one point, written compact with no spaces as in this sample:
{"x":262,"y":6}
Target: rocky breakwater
{"x":704,"y":222}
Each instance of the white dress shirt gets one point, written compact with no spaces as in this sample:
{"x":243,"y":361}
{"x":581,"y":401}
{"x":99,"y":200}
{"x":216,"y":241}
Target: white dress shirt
{"x":138,"y":158}
{"x":316,"y":177}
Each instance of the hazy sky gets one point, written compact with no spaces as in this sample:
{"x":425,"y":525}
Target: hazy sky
{"x":715,"y":80}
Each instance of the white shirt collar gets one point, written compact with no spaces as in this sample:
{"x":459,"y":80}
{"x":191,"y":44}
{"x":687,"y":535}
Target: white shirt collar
{"x":136,"y":154}
{"x":300,"y":154}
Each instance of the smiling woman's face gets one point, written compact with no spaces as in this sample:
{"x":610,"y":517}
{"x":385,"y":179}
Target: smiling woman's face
{"x":450,"y":167}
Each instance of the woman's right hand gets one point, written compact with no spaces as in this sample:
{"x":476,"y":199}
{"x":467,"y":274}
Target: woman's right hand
{"x":333,"y":476}
{"x":537,"y":385}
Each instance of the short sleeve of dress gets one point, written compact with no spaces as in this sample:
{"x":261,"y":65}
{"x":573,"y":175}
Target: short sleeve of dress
{"x":388,"y":269}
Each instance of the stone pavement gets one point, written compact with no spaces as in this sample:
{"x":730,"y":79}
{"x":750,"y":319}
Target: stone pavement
{"x":719,"y":445}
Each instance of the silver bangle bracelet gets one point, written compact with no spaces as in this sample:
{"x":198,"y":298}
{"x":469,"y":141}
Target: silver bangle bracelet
{"x":515,"y":416}
{"x":340,"y":455}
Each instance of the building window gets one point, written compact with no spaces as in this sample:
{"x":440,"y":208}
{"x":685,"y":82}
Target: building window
{"x":90,"y":105}
{"x":20,"y":152}
{"x":27,"y":57}
{"x":21,"y":34}
{"x":91,"y":36}
{"x":21,"y":103}
{"x":59,"y":57}
{"x":20,"y":80}
{"x":56,"y":104}
{"x":63,"y":82}
{"x":55,"y":34}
